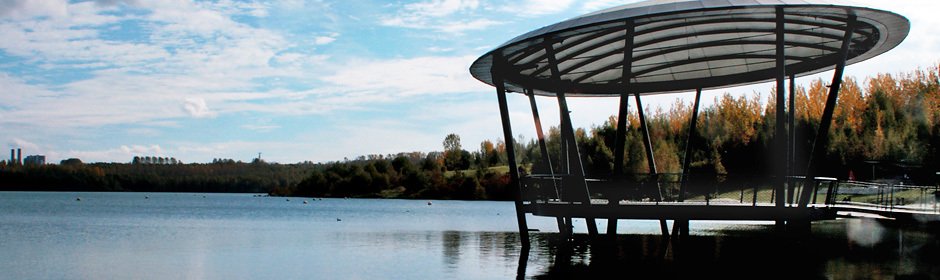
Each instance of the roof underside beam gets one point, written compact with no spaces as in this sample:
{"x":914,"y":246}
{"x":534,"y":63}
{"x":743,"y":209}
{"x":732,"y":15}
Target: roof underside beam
{"x":769,"y":43}
{"x":547,"y":86}
{"x":541,"y":66}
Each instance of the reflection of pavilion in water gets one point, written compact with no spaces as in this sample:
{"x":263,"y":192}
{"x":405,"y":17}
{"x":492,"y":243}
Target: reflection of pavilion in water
{"x":665,"y":46}
{"x":831,"y":254}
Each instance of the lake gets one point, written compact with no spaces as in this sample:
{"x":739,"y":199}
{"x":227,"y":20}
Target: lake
{"x":54,"y":235}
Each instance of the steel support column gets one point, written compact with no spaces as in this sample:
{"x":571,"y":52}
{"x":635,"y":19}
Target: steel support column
{"x":543,"y":147}
{"x":791,"y":140}
{"x":650,"y":158}
{"x":621,"y":139}
{"x":822,"y":134}
{"x":687,"y":160}
{"x":681,"y":227}
{"x":576,"y":177}
{"x":619,"y":143}
{"x":648,"y":144}
{"x":575,"y":167}
{"x":627,"y":65}
{"x":510,"y":150}
{"x":780,"y":140}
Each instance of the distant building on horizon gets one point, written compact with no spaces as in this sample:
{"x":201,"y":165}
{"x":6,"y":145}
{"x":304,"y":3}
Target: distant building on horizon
{"x":155,"y":160}
{"x":34,"y":160}
{"x":16,"y":157}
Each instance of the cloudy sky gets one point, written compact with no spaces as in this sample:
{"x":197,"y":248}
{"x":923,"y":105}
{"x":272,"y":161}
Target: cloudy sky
{"x":295,"y":80}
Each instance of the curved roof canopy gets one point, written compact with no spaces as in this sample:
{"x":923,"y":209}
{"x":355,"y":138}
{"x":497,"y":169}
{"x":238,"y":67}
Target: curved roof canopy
{"x":663,"y":46}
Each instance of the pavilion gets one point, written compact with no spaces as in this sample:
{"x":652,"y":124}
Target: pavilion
{"x":669,"y":46}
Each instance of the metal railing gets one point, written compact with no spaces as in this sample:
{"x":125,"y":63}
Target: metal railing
{"x":665,"y":188}
{"x":542,"y":188}
{"x":889,"y":196}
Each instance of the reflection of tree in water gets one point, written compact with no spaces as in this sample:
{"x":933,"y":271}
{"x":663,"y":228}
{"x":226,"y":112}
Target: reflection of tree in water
{"x":741,"y":255}
{"x":491,"y":247}
{"x":451,"y":245}
{"x":503,"y":245}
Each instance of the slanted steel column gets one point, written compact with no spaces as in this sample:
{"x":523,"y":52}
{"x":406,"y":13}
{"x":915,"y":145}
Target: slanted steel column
{"x":563,"y":228}
{"x":574,"y":158}
{"x":543,"y":147}
{"x":621,"y":138}
{"x":648,"y":143}
{"x":576,"y":168}
{"x":681,"y":227}
{"x":687,"y":161}
{"x":821,"y":141}
{"x":498,"y":65}
{"x":780,"y":139}
{"x":650,"y":159}
{"x":791,"y":141}
{"x":619,"y":143}
{"x":576,"y":177}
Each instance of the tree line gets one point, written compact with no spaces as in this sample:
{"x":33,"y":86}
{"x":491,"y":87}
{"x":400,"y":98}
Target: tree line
{"x":222,"y":176}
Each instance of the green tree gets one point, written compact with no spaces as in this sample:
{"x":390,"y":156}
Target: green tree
{"x":453,"y":158}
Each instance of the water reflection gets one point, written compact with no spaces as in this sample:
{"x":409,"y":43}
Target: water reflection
{"x":828,"y":253}
{"x":184,"y":236}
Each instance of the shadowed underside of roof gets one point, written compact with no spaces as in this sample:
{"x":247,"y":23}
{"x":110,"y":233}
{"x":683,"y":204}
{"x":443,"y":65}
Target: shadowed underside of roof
{"x":670,"y":46}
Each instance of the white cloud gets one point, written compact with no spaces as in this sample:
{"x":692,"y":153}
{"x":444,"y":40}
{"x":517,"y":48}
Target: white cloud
{"x":293,"y":60}
{"x":255,"y":9}
{"x":597,"y":5}
{"x":532,"y":8}
{"x":439,"y":8}
{"x":144,"y":131}
{"x":142,"y":150}
{"x":261,"y":127}
{"x":384,"y":79}
{"x":440,"y":49}
{"x":28,"y":146}
{"x":461,"y":26}
{"x":33,"y":8}
{"x":456,"y":27}
{"x":323,"y":40}
{"x":185,"y":49}
{"x":920,"y":47}
{"x":197,"y":108}
{"x":448,"y":16}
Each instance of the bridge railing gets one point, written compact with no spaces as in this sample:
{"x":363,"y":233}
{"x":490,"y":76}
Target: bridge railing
{"x":561,"y":188}
{"x":889,"y":196}
{"x":544,"y":188}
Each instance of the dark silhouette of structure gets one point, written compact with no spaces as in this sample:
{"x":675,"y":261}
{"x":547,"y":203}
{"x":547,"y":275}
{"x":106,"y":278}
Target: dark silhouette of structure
{"x":668,"y":46}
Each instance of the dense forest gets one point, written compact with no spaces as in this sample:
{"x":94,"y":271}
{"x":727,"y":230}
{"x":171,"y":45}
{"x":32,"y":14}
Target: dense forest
{"x":887,"y":123}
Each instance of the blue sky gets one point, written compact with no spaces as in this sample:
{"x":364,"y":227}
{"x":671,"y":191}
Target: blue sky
{"x":298,"y":80}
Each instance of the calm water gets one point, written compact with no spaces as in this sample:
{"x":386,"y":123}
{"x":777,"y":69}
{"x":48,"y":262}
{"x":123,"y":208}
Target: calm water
{"x":239,"y":236}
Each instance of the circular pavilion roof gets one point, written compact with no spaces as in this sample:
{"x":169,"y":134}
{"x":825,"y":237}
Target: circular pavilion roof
{"x":681,"y":45}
